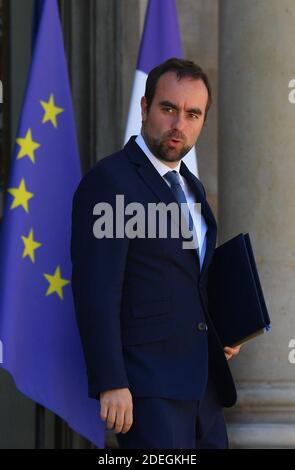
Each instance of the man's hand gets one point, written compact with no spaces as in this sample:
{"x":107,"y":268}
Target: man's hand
{"x":230,"y":352}
{"x":116,"y":409}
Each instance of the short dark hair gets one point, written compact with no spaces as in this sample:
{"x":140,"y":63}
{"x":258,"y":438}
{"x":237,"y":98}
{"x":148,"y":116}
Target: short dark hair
{"x":182,"y":68}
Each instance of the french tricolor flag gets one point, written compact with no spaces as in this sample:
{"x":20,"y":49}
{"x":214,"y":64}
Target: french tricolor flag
{"x":160,"y":41}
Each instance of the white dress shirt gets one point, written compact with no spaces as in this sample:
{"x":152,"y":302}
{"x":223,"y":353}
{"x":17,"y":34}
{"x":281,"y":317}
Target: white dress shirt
{"x":162,"y":169}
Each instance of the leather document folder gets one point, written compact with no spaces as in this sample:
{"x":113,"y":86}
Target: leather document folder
{"x":235,"y":298}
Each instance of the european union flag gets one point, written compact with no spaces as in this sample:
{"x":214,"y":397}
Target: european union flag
{"x":40,"y":340}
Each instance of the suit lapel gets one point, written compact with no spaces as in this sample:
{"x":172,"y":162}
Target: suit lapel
{"x":206,"y":212}
{"x":149,"y":174}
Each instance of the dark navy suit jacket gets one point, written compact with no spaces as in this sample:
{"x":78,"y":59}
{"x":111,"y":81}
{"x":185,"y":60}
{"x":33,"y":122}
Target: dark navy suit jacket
{"x":141,"y":303}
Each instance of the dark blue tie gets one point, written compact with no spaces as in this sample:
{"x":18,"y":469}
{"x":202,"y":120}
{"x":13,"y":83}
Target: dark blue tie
{"x":173,"y":178}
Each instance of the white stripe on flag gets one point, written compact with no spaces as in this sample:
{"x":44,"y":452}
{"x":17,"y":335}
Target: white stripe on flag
{"x":134,"y":118}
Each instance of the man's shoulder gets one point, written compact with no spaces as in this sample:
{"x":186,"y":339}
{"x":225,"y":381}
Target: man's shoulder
{"x":113,"y":173}
{"x":109,"y":164}
{"x":105,"y":169}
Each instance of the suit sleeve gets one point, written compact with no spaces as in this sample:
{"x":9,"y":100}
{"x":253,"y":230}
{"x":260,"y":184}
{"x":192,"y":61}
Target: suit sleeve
{"x":98,"y":267}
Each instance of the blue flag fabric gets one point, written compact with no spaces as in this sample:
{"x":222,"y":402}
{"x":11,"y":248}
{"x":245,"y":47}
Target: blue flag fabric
{"x":161,"y":36}
{"x":38,"y":332}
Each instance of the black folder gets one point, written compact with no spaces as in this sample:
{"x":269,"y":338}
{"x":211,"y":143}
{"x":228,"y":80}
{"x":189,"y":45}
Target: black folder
{"x":235,"y":299}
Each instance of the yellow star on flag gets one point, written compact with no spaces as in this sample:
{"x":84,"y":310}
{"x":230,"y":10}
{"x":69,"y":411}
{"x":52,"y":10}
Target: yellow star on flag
{"x":56,"y":283}
{"x":30,"y":246}
{"x":27,"y":146}
{"x":21,"y":196}
{"x":51,"y":111}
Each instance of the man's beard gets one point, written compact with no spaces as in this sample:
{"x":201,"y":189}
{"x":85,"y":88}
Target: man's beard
{"x":160,"y":149}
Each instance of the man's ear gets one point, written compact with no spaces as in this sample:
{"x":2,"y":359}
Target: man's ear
{"x":143,"y":103}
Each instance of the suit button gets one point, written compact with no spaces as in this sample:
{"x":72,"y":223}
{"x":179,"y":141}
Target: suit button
{"x":202,"y":326}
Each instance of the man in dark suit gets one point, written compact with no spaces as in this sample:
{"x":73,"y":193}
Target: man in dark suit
{"x":153,"y":357}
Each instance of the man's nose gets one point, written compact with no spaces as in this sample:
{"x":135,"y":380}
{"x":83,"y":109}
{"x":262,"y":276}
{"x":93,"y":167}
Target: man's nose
{"x":178,"y":122}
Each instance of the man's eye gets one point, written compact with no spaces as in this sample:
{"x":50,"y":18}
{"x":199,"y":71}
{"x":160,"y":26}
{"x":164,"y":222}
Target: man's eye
{"x":167,"y":109}
{"x":193,"y":116}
